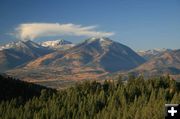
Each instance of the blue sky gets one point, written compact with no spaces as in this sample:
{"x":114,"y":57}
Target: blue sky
{"x":140,"y":24}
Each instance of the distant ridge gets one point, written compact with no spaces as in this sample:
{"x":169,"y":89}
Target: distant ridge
{"x":149,"y":54}
{"x":167,"y":62}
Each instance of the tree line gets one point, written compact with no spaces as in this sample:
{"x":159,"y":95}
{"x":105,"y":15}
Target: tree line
{"x":135,"y":98}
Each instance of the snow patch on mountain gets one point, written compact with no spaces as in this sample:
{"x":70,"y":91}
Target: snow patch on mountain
{"x":58,"y":44}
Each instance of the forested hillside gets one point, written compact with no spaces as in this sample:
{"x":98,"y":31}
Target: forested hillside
{"x":13,"y":88}
{"x":135,"y":99}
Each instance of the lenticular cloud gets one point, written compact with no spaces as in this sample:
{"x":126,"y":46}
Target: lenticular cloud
{"x":31,"y":31}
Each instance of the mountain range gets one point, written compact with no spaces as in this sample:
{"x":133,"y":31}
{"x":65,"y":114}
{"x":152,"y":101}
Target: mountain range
{"x":89,"y":59}
{"x":60,"y":61}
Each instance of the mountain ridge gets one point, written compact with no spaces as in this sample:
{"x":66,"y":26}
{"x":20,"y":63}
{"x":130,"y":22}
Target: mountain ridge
{"x":149,"y":54}
{"x":20,"y":52}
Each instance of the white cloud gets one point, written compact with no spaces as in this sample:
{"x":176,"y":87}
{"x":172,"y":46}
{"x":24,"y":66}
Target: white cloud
{"x":35,"y":30}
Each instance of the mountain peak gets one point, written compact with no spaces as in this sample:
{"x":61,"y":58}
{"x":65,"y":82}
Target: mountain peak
{"x":57,"y":43}
{"x":102,"y":41}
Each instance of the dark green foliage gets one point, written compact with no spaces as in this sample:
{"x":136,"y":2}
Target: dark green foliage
{"x":13,"y":88}
{"x":114,"y":99}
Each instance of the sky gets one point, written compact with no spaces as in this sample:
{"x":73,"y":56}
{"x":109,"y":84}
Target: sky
{"x":139,"y":24}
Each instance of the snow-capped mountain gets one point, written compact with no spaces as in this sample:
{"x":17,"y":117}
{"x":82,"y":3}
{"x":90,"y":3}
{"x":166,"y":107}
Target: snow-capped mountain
{"x":17,"y":53}
{"x":20,"y":44}
{"x":10,"y":45}
{"x":109,"y":55}
{"x":58,"y":44}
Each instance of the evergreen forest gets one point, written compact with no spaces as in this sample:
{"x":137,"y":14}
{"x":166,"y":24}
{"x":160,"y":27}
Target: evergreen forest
{"x":135,"y":98}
